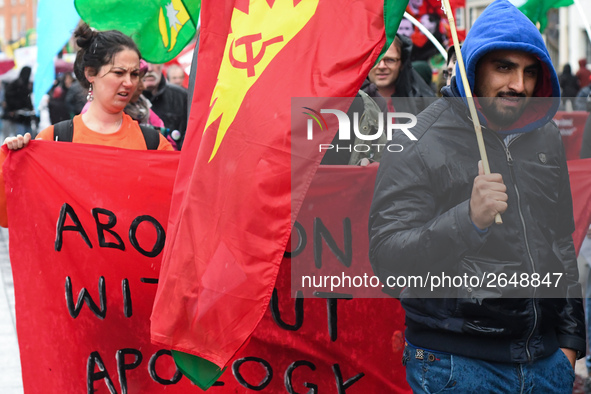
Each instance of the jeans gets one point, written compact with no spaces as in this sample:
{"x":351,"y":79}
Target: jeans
{"x":588,"y":318}
{"x":434,"y":372}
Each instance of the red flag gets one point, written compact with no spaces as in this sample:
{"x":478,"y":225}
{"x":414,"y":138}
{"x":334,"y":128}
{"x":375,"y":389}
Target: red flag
{"x":230,"y":216}
{"x":571,"y":125}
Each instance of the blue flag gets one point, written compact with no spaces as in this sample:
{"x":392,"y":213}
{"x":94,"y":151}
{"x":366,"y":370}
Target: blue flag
{"x":56,"y":20}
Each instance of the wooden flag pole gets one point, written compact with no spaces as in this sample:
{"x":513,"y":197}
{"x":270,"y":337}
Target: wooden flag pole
{"x":469,"y":98}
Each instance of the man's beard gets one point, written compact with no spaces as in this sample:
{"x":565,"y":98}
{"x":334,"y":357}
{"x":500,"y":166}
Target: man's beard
{"x":498,"y":112}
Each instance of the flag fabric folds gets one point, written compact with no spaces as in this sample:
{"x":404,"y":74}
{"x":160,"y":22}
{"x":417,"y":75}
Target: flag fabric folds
{"x":537,"y":10}
{"x":234,"y":200}
{"x":160,"y":28}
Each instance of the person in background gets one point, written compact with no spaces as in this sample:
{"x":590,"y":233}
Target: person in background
{"x":583,"y":73}
{"x":18,"y":108}
{"x":169,"y":101}
{"x":394,"y":77}
{"x":569,"y":85}
{"x":441,"y":81}
{"x":58,"y":110}
{"x":450,"y":68}
{"x":447,"y":72}
{"x":583,"y":99}
{"x":108,"y":65}
{"x":175,"y":75}
{"x":139,"y":107}
{"x":75,"y":95}
{"x":424,"y":70}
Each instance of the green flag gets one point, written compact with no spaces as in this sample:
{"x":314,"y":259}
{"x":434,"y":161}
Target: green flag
{"x":393,"y":12}
{"x":537,"y":10}
{"x":160,"y":28}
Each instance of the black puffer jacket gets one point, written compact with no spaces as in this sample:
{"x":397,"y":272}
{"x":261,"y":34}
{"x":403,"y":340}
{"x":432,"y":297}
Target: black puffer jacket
{"x":420,"y":225}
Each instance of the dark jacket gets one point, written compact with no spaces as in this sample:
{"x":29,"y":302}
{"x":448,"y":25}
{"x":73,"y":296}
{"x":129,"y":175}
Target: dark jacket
{"x":18,"y":98}
{"x":568,"y":83}
{"x":170,"y":104}
{"x":76,"y":98}
{"x":420,"y":225}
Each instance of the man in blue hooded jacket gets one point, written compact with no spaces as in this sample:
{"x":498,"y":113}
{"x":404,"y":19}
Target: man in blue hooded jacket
{"x":500,"y":307}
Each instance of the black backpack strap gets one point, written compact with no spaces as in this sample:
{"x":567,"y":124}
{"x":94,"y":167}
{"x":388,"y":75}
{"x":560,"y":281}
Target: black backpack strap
{"x":63,"y":131}
{"x":151,"y":136}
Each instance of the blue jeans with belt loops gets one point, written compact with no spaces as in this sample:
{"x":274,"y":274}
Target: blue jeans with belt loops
{"x":434,"y":372}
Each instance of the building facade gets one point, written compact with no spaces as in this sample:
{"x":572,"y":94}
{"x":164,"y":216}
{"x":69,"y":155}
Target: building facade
{"x":566,"y":36}
{"x":16,"y":17}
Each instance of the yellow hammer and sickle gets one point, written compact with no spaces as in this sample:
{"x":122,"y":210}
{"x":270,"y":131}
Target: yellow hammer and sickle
{"x":263,"y":30}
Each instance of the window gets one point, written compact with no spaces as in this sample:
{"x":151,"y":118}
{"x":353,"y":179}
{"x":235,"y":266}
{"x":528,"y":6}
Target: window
{"x":23,"y":24}
{"x":2,"y":30}
{"x":552,"y":36}
{"x":460,"y":17}
{"x":14,"y":28}
{"x":474,"y":13}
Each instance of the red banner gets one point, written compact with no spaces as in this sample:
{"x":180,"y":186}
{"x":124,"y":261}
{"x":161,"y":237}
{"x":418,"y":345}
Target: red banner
{"x":579,"y":172}
{"x":85,"y":244}
{"x":571,"y":125}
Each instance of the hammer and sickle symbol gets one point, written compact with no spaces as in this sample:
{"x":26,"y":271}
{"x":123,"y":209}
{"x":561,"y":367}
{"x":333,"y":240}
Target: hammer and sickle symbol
{"x":251,"y":60}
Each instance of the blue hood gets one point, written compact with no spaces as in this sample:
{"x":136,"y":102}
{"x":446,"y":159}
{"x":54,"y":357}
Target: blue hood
{"x":503,"y":27}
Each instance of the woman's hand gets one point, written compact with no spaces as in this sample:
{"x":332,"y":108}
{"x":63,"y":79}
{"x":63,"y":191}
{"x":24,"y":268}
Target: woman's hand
{"x":18,"y":142}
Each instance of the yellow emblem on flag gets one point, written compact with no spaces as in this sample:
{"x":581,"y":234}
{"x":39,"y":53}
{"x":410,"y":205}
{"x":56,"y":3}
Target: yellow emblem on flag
{"x":176,"y":17}
{"x":257,"y":36}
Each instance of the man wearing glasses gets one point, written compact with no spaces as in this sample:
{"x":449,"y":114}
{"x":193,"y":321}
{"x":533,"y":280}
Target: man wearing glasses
{"x":450,"y":69}
{"x":394,"y":77}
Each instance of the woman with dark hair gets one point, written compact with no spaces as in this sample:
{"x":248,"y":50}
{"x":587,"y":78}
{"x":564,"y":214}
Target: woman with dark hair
{"x":108,"y":65}
{"x":139,"y":107}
